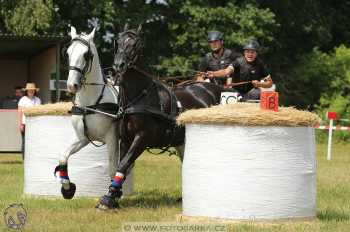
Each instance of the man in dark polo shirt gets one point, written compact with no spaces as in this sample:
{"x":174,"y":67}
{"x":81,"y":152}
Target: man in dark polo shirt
{"x":248,"y":68}
{"x":219,"y":57}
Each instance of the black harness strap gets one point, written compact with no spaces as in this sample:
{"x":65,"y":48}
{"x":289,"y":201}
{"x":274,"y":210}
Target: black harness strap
{"x":101,"y":95}
{"x":123,"y":108}
{"x":165,"y":149}
{"x":208,"y":92}
{"x":76,"y":110}
{"x":162,"y":150}
{"x":145,"y":110}
{"x":173,"y":99}
{"x":104,"y":107}
{"x":87,"y":135}
{"x":84,"y":119}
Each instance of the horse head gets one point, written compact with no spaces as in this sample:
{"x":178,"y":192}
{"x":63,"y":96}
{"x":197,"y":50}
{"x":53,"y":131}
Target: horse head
{"x":129,"y":47}
{"x":80,"y":55}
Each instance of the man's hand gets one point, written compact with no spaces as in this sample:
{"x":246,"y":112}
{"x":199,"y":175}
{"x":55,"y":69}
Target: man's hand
{"x":210,"y":74}
{"x":110,"y":81}
{"x":256,"y":83}
{"x":199,"y":77}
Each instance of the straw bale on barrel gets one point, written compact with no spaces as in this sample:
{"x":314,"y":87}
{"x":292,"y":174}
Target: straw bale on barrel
{"x":49,"y":133}
{"x":244,"y":163}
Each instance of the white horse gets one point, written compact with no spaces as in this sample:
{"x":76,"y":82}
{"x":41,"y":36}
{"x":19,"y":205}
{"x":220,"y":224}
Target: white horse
{"x":85,"y":80}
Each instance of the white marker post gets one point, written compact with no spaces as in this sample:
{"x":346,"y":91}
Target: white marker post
{"x":331,"y":116}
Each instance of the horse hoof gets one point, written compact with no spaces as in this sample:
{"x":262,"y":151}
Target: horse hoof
{"x":68,"y":193}
{"x":105,"y":208}
{"x":107,"y":203}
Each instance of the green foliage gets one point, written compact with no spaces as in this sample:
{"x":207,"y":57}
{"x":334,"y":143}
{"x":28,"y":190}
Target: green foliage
{"x":188,"y":30}
{"x":30,"y":17}
{"x":322,"y":81}
{"x":309,"y":78}
{"x":304,"y":26}
{"x":6,"y":6}
{"x":336,"y":97}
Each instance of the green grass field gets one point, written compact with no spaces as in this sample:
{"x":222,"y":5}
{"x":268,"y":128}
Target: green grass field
{"x":158,"y":188}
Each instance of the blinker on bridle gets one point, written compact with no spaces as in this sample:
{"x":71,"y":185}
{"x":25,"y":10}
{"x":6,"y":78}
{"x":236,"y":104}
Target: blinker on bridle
{"x":130,"y":61}
{"x":88,"y":56}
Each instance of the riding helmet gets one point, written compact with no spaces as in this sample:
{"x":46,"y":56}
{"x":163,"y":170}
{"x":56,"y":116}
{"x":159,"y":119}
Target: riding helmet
{"x":214,"y":35}
{"x":252,"y":45}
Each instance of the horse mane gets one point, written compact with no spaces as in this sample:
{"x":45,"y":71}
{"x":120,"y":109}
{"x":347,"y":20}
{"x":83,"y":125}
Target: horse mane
{"x":131,"y":32}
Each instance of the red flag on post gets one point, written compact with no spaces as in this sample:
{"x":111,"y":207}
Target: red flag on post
{"x":332,"y":115}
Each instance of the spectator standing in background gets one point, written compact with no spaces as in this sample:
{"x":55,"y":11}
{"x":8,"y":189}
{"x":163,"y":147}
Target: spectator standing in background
{"x":18,"y":93}
{"x":12,"y":102}
{"x":30,"y":99}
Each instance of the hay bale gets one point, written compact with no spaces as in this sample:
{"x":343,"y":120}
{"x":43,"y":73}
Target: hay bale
{"x":49,"y":132}
{"x":244,"y":163}
{"x":60,"y":108}
{"x":249,"y":114}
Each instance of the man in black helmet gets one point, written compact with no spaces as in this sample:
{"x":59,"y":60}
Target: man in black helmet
{"x":219,"y":57}
{"x":249,"y":69}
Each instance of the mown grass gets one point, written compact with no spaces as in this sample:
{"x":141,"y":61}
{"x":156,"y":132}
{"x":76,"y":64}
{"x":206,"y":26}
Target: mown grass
{"x":158,"y":190}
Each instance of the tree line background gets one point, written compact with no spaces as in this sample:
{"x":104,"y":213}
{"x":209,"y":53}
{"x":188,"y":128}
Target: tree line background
{"x":305,"y":42}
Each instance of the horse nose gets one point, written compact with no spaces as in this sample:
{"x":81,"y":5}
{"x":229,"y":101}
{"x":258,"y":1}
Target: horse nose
{"x":72,"y":88}
{"x":114,"y":68}
{"x":119,"y":66}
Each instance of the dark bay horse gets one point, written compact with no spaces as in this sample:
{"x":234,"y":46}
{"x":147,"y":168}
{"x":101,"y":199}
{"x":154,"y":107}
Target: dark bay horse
{"x":148,"y":110}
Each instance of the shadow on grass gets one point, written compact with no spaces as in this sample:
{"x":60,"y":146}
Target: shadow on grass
{"x":11,"y":162}
{"x":332,"y":215}
{"x":151,"y":199}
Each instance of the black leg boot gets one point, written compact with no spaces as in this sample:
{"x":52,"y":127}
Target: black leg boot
{"x":110,"y":200}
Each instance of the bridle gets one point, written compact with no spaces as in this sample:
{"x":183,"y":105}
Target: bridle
{"x":129,"y":55}
{"x":89,"y":57}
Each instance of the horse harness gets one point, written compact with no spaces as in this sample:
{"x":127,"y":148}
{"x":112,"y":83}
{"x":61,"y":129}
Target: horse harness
{"x":135,"y":106}
{"x":132,"y":107}
{"x":107,"y":108}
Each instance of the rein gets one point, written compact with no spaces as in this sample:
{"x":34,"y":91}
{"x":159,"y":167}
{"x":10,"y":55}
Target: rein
{"x":238,"y":83}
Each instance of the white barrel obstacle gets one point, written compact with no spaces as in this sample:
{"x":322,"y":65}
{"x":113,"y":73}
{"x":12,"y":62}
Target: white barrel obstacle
{"x":47,"y":137}
{"x":242,"y":163}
